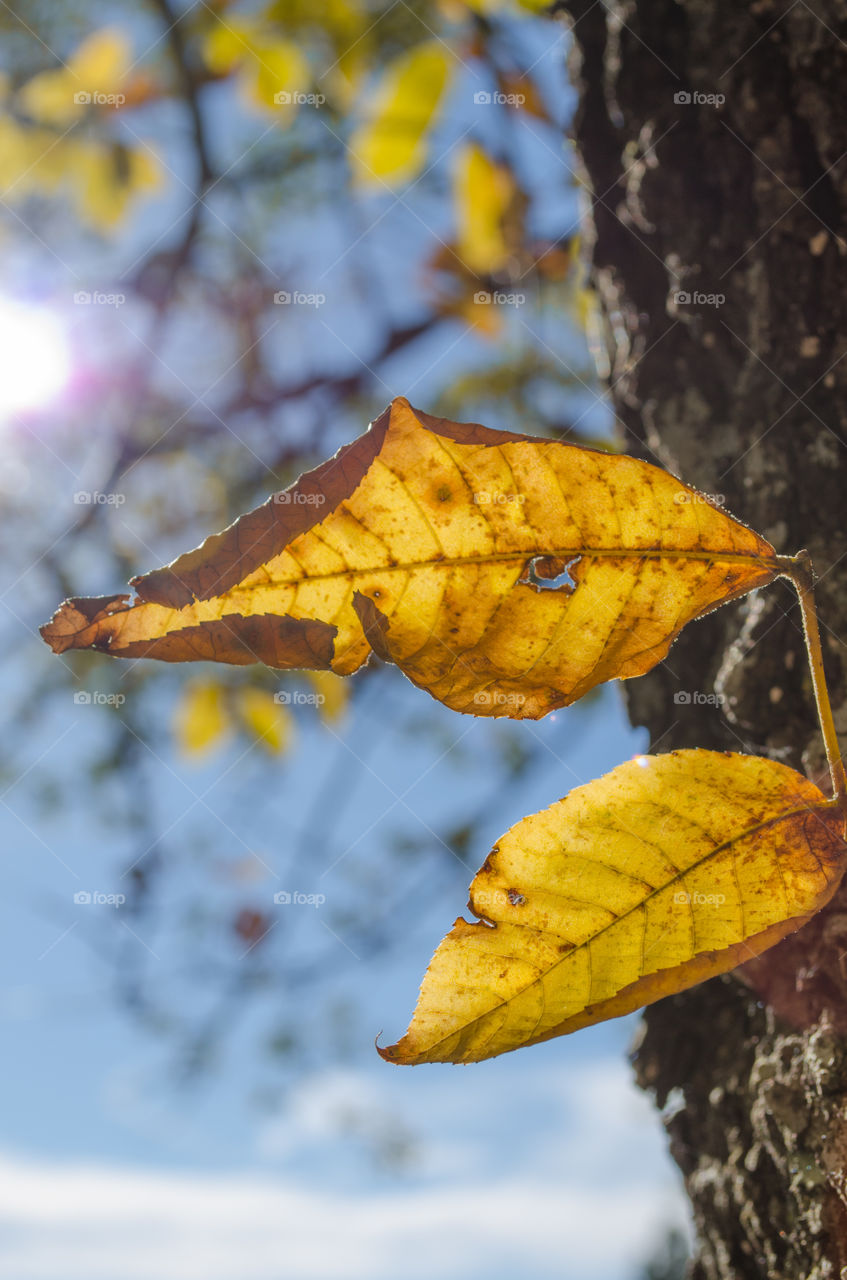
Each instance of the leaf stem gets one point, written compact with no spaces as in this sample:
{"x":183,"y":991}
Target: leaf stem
{"x":798,"y":569}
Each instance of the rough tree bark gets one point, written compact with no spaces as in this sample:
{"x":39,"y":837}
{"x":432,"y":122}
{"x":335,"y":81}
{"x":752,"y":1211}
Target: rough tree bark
{"x":747,"y":399}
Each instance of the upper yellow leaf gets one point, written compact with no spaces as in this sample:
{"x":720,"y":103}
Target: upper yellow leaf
{"x":436,"y":544}
{"x":669,"y":870}
{"x":390,"y":146}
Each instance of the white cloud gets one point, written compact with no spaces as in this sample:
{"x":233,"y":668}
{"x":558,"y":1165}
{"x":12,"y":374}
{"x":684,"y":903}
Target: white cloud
{"x":105,"y":1222}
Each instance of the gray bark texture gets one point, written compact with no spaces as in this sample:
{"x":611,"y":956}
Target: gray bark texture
{"x":745,"y":398}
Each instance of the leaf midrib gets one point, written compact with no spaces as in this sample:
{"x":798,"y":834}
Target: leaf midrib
{"x":768,"y":563}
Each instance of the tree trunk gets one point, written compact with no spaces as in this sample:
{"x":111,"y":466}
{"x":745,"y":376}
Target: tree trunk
{"x":742,"y":391}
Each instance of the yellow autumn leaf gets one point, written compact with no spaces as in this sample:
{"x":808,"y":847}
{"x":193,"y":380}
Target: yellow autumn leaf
{"x":390,"y":146}
{"x":505,"y":574}
{"x":669,"y":870}
{"x":201,"y":721}
{"x":24,"y":157}
{"x":270,"y":723}
{"x":483,"y":192}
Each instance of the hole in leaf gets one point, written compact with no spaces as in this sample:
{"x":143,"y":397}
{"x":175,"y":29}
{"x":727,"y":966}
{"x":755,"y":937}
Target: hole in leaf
{"x":549,"y":573}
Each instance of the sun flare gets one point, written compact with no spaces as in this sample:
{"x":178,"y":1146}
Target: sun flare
{"x":34,"y":357}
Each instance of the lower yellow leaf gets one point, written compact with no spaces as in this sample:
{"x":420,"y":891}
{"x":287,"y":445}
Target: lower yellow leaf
{"x":667,"y":871}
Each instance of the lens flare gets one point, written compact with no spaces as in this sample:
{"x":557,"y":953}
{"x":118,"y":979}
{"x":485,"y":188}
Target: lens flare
{"x":34,"y":357}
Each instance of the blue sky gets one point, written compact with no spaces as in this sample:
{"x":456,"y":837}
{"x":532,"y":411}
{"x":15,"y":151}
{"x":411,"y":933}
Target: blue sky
{"x":110,"y":1169}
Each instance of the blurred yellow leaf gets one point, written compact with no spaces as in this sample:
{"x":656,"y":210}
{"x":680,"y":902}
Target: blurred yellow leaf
{"x":483,"y":191}
{"x":103,"y":175}
{"x":391,"y":144}
{"x":107,"y":178}
{"x":281,"y":73}
{"x":332,"y":689}
{"x":505,"y":574}
{"x":228,"y":44}
{"x":669,"y":870}
{"x":272,"y":71}
{"x":49,"y":98}
{"x":23,"y":156}
{"x":95,"y":71}
{"x":269,"y":723}
{"x":102,"y":61}
{"x":480,"y":312}
{"x":201,"y":720}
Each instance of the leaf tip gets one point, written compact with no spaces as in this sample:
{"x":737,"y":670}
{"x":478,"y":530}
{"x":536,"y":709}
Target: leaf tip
{"x":74,"y":617}
{"x":393,"y":1052}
